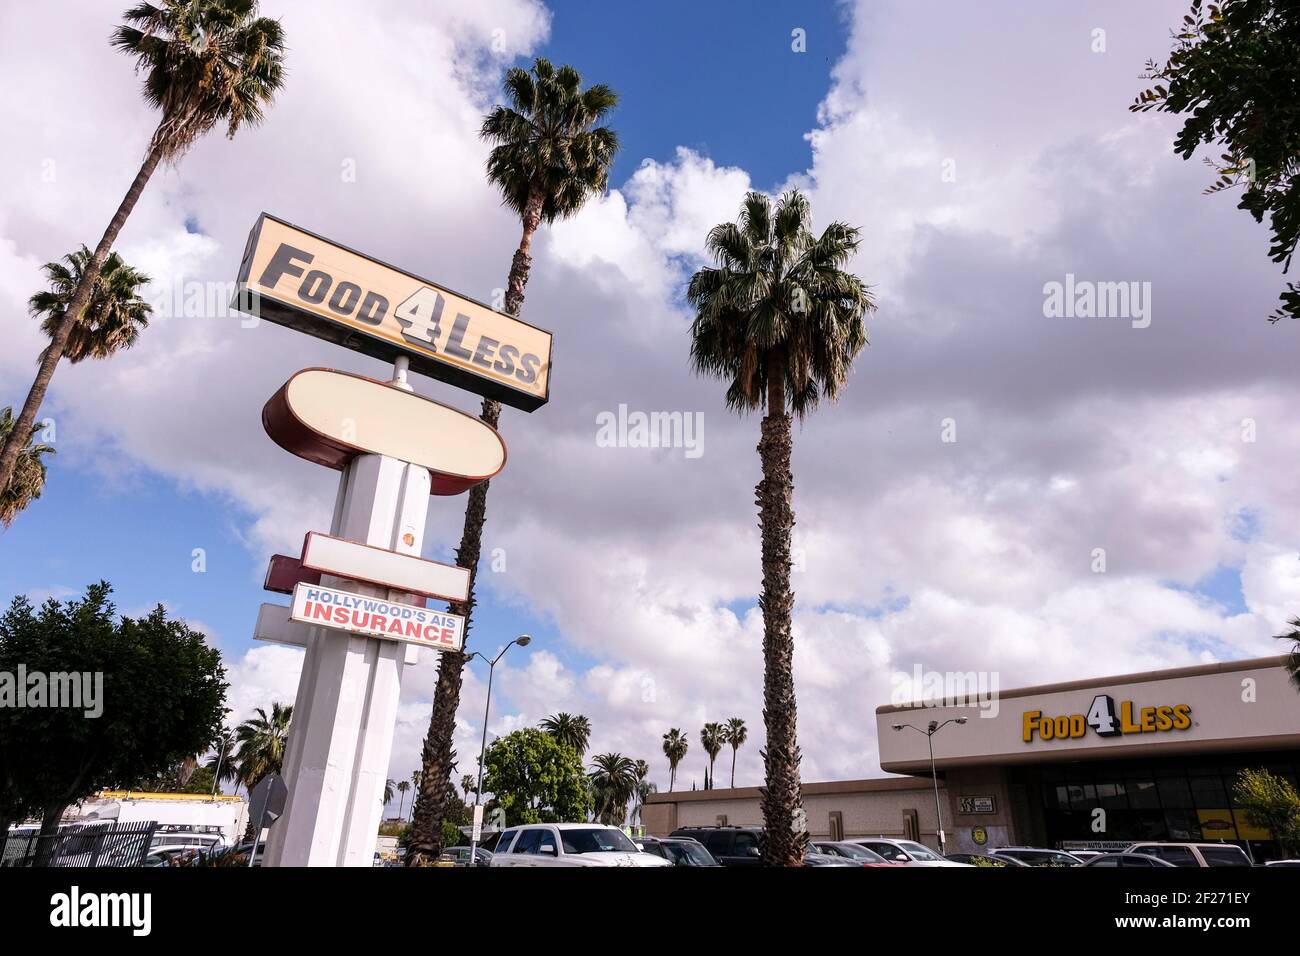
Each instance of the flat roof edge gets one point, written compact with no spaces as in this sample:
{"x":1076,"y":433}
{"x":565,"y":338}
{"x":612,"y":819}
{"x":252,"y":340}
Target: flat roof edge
{"x":1197,"y":670}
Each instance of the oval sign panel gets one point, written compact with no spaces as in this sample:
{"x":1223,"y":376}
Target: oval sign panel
{"x":330,"y":417}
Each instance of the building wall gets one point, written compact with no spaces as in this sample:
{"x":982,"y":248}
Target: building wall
{"x":867,"y":808}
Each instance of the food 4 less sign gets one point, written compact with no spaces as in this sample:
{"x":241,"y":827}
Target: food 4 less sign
{"x":1106,"y":720}
{"x":299,"y":279}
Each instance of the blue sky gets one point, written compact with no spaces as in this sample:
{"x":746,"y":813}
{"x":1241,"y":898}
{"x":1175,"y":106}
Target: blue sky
{"x":689,"y":63}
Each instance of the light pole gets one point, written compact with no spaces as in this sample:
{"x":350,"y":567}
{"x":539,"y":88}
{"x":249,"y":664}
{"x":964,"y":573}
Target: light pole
{"x":522,"y":640}
{"x":933,"y":728}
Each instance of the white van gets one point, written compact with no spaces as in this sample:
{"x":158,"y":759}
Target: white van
{"x":1194,"y":854}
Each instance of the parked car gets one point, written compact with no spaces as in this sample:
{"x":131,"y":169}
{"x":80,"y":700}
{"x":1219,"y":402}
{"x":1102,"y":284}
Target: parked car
{"x":730,"y":846}
{"x":170,"y":856}
{"x":812,"y":857}
{"x":854,"y":852}
{"x":1128,"y":860}
{"x":1086,"y":855}
{"x":983,"y":859}
{"x":679,"y":851}
{"x":1036,"y":856}
{"x":1194,"y":854}
{"x":906,"y":852}
{"x":1283,"y":863}
{"x":459,"y":856}
{"x":569,"y":844}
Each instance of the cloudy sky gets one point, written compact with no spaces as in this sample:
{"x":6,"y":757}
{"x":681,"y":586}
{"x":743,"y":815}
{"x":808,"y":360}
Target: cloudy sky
{"x":984,"y":155}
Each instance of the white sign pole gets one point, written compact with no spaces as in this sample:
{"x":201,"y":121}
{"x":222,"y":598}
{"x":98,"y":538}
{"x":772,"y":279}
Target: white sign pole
{"x":346,"y":709}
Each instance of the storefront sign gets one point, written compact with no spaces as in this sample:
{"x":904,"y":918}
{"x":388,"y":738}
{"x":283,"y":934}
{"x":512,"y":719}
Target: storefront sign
{"x":1106,"y":720}
{"x":377,"y":617}
{"x":306,"y":282}
{"x":979,"y":835}
{"x":977,"y":804}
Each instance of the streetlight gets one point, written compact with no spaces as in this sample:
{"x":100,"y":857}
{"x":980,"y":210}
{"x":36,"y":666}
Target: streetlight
{"x":933,"y":728}
{"x":522,"y":640}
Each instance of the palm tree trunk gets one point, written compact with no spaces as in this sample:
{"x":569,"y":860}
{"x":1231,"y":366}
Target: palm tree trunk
{"x":733,"y":768}
{"x":782,"y":803}
{"x":672,"y":777}
{"x":50,"y":357}
{"x":437,"y":756}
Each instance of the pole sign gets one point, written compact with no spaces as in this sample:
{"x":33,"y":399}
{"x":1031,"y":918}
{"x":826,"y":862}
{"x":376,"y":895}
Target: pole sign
{"x":303,"y":281}
{"x":377,"y":617}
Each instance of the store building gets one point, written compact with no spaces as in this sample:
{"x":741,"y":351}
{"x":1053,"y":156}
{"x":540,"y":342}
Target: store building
{"x":1101,"y":763}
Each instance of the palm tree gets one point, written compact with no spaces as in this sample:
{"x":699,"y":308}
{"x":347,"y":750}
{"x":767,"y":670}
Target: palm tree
{"x":262,"y":742}
{"x":415,"y":784}
{"x":712,"y":739}
{"x":403,"y":788}
{"x":28,"y":479}
{"x":613,"y":784}
{"x":1292,"y":664}
{"x":675,"y":746}
{"x":643,"y":789}
{"x":569,"y":730}
{"x":735,"y":733}
{"x":205,"y":62}
{"x":468,"y":784}
{"x":111,"y":320}
{"x":781,"y":322}
{"x":549,"y":155}
{"x":388,"y":793}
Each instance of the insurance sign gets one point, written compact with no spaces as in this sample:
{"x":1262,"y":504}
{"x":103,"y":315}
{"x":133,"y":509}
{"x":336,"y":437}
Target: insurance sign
{"x":301,"y":280}
{"x":377,"y":617}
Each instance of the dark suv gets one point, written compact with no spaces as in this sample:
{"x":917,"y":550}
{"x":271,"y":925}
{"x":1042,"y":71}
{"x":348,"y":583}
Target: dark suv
{"x":730,"y":846}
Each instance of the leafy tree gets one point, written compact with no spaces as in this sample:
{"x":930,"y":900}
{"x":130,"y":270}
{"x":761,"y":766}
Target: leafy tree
{"x":28,"y":479}
{"x":205,"y":62}
{"x":613,"y":784}
{"x":549,"y":155}
{"x":163,"y":699}
{"x":533,"y":779}
{"x":781,"y":322}
{"x":572,"y":730}
{"x":1233,"y":72}
{"x":176,"y":780}
{"x":1270,"y":803}
{"x":675,"y":745}
{"x":712,"y":738}
{"x":735,"y":734}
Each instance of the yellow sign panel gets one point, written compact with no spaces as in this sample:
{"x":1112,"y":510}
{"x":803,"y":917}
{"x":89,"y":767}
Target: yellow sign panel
{"x":306,"y":282}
